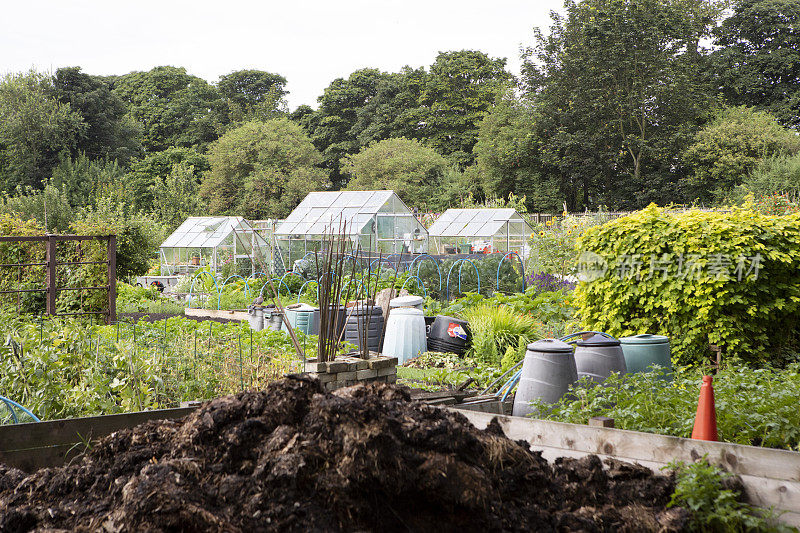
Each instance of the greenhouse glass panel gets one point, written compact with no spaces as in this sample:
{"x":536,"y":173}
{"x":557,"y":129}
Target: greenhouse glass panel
{"x":203,"y":241}
{"x":480,"y":230}
{"x":363,"y":213}
{"x":385,"y":227}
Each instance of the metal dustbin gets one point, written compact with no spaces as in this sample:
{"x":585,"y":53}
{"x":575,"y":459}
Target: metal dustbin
{"x":599,"y":356}
{"x":255,"y":317}
{"x":641,"y":351}
{"x":275,"y":320}
{"x":547,"y":372}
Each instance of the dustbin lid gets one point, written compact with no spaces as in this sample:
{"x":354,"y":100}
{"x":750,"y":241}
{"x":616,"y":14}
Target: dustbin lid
{"x":645,"y":338}
{"x":550,"y":346}
{"x":406,"y":301}
{"x":598,"y":340}
{"x":407,"y":311}
{"x":301,"y":308}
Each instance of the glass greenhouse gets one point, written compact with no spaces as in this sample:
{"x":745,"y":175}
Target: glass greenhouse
{"x":377,"y":221}
{"x":479,"y":230}
{"x":213,"y":242}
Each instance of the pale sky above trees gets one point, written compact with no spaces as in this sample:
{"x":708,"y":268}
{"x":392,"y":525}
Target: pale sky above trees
{"x":310,"y":42}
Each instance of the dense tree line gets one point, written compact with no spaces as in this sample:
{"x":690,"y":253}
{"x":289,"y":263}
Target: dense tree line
{"x":619,"y":103}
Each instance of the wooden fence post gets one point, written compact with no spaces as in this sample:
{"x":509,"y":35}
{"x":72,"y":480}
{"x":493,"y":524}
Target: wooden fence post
{"x":112,"y":279}
{"x":51,"y":275}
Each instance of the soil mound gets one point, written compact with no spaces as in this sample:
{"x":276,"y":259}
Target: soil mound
{"x":365,"y":458}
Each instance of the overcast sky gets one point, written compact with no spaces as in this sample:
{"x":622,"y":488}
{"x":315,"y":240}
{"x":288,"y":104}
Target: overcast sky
{"x":309,"y":42}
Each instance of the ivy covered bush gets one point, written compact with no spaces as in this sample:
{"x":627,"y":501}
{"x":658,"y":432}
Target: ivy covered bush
{"x":727,"y":278}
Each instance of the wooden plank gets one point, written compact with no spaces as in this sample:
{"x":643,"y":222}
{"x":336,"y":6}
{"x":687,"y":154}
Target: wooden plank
{"x":635,"y":445}
{"x":765,"y":485}
{"x":491,"y":406}
{"x":71,"y":430}
{"x":33,"y":459}
{"x":215,"y":313}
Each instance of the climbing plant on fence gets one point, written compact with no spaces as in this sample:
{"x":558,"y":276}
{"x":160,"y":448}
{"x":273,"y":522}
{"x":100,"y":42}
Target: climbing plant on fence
{"x":730,"y":279}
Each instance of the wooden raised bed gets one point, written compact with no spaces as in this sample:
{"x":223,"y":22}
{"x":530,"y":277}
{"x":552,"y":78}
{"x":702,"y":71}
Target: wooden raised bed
{"x":771,"y":477}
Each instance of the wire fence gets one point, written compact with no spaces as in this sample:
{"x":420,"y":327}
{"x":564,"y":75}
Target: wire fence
{"x":64,"y":367}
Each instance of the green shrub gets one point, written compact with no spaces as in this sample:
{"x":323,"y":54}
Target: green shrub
{"x":552,"y":311}
{"x":135,"y":299}
{"x":61,"y":368}
{"x":138,"y":236}
{"x":723,"y":278}
{"x":779,"y":174}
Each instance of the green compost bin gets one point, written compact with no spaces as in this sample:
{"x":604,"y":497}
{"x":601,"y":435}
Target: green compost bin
{"x":643,"y":350}
{"x":301,"y":317}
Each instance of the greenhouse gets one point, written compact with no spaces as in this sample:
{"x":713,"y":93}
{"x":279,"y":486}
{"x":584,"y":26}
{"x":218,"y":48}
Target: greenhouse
{"x":479,"y":231}
{"x":375,"y":221}
{"x":214,"y":242}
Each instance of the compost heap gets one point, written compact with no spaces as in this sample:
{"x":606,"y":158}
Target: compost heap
{"x":362,"y":458}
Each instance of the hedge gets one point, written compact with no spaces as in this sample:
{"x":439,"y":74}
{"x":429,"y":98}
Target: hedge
{"x":727,"y":278}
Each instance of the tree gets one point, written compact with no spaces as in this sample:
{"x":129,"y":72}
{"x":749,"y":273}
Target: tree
{"x":394,"y":111}
{"x":175,"y":196}
{"x":82,"y":181}
{"x":507,"y":159}
{"x":457,"y":92}
{"x":299,"y":115}
{"x":262,"y":170}
{"x":409,"y":168}
{"x":141,"y":180}
{"x":330,"y":126}
{"x":35,"y":130}
{"x":758,"y":60}
{"x":253,"y":94}
{"x":726,"y":150}
{"x":49,"y":207}
{"x":175,"y":108}
{"x":618,"y":87}
{"x":109,"y":133}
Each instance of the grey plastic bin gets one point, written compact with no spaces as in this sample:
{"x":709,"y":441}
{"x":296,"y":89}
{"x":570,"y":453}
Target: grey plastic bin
{"x":547,"y":372}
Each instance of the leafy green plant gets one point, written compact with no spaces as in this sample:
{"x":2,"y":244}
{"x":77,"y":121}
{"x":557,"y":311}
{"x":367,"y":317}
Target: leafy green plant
{"x":715,"y":506}
{"x":727,"y":278}
{"x":434,"y":371}
{"x":63,"y":368}
{"x":754,"y":406}
{"x":553,"y":243}
{"x":552,"y":311}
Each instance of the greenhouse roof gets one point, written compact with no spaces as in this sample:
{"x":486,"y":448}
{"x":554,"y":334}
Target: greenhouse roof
{"x":321,"y":212}
{"x":205,"y":232}
{"x":472,"y":222}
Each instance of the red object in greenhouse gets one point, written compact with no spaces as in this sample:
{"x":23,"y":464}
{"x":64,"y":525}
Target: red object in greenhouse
{"x":705,"y":421}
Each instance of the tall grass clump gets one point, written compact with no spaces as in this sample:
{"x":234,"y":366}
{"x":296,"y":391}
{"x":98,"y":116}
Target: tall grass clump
{"x":499,"y":335}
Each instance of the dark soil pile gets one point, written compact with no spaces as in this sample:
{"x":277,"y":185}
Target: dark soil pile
{"x":365,"y":458}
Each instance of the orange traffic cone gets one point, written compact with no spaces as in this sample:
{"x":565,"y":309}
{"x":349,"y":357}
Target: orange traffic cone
{"x":705,"y":421}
